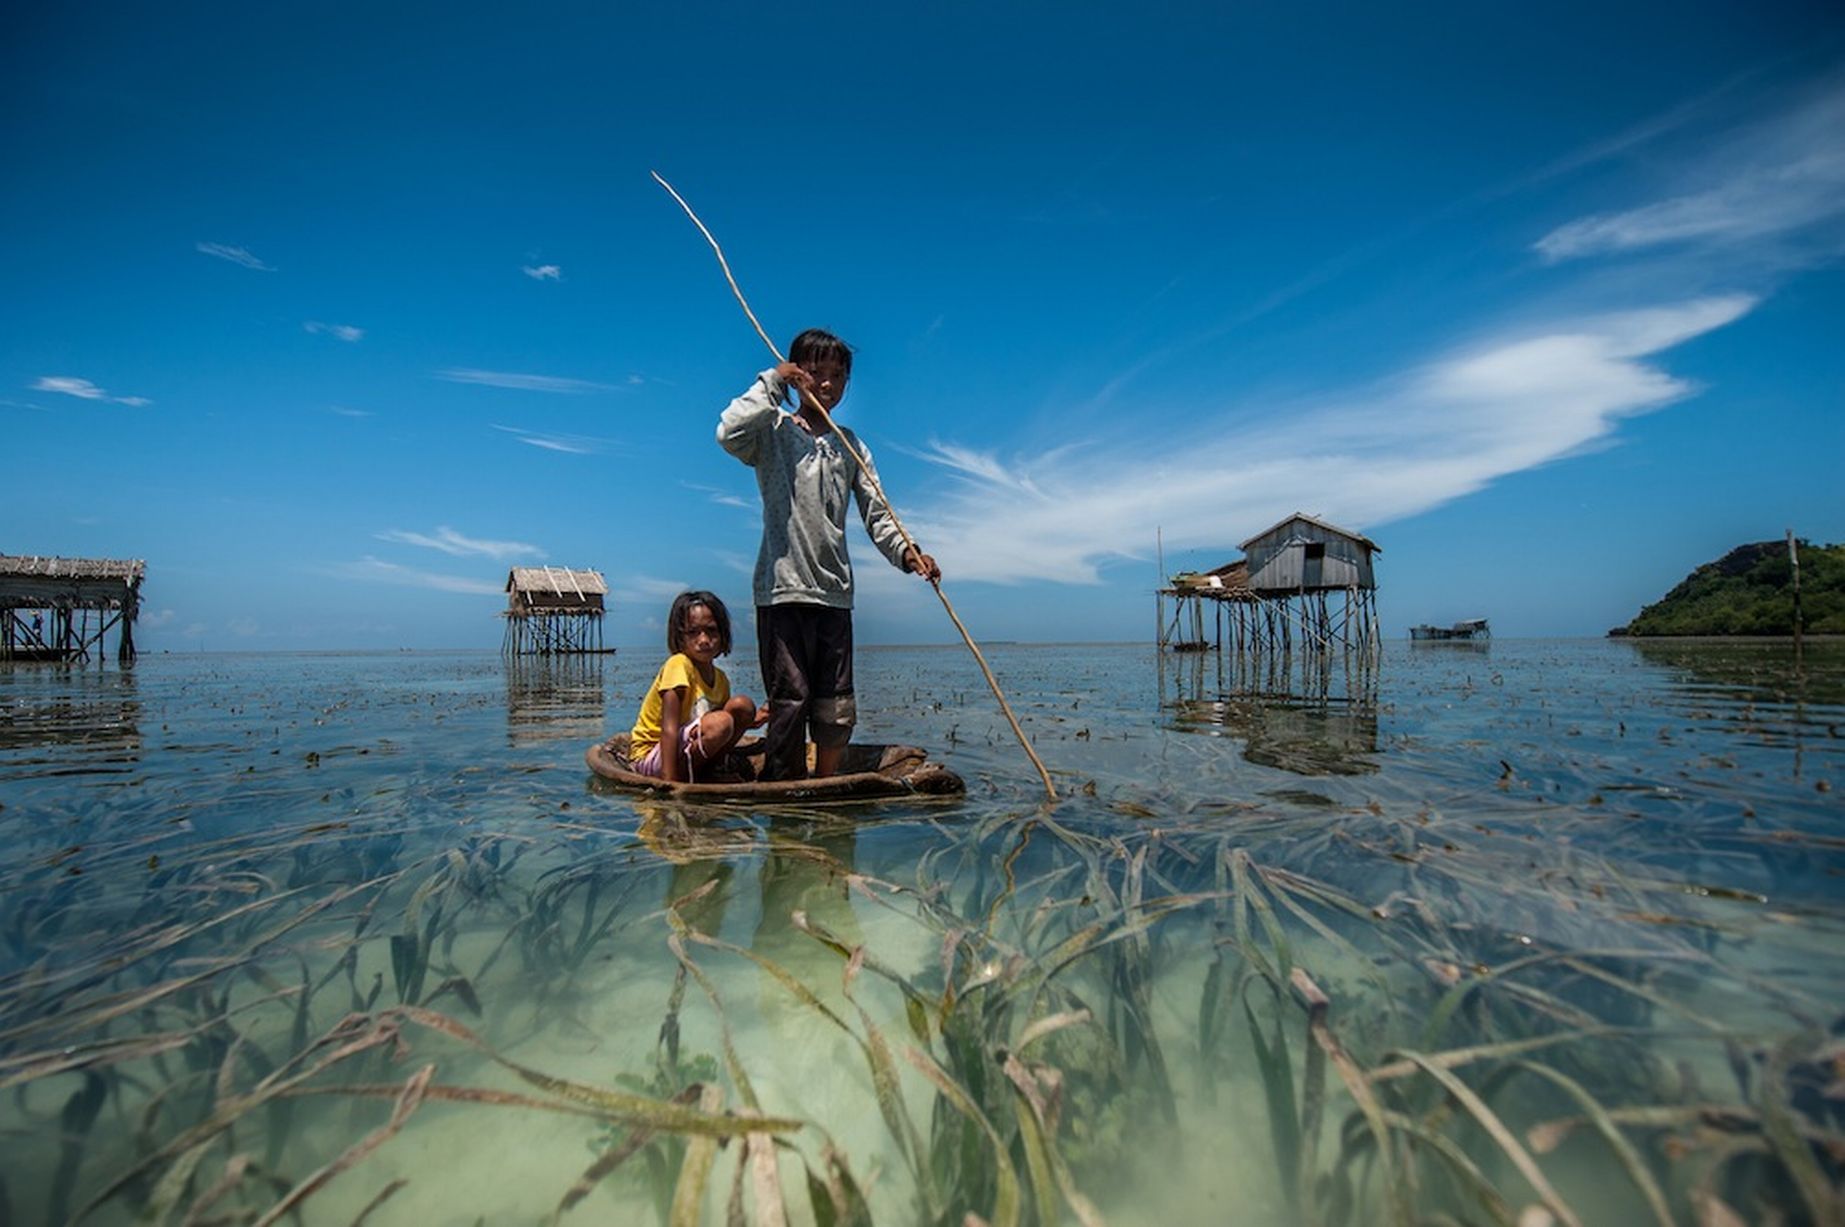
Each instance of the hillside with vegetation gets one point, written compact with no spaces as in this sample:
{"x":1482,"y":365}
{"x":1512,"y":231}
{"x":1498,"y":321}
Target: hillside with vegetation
{"x":1750,"y":591}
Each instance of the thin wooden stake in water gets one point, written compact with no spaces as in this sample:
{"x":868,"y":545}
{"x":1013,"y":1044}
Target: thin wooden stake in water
{"x":877,"y":490}
{"x":1793,"y":558}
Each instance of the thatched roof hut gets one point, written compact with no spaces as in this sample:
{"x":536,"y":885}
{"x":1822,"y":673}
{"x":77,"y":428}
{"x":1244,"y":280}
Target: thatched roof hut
{"x":69,"y":589}
{"x":553,"y":611}
{"x":531,"y":590}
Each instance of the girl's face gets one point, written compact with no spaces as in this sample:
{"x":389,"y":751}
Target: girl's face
{"x":701,"y":639}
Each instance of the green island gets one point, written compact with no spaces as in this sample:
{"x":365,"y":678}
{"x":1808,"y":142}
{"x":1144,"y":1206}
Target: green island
{"x":1750,"y":591}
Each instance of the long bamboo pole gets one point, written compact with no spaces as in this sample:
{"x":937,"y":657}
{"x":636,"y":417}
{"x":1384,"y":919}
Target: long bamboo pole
{"x":877,"y":490}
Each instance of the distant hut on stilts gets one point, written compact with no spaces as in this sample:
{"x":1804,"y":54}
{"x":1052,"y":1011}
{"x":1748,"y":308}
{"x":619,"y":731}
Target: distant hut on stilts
{"x":59,"y":609}
{"x":553,"y":611}
{"x":1302,"y":585}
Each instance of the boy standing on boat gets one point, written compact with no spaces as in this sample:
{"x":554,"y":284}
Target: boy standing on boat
{"x":803,"y":580}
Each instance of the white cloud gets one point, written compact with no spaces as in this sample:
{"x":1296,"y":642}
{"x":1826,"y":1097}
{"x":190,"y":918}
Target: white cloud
{"x":543,"y":272}
{"x":83,"y":389}
{"x":345,"y":332}
{"x":374,"y":570}
{"x":243,"y":628}
{"x":1770,"y":179}
{"x":156,"y":618}
{"x":70,"y":385}
{"x":344,"y":412}
{"x":449,"y":541}
{"x":1426,"y":437}
{"x":236,"y":255}
{"x":575,"y":445}
{"x":522,"y":382}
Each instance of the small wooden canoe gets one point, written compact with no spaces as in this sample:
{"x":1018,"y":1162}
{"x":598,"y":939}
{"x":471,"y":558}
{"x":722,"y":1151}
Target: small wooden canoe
{"x":866,"y":772}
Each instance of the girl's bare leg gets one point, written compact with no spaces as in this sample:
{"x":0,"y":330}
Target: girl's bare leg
{"x":742,"y":711}
{"x":716,"y":733}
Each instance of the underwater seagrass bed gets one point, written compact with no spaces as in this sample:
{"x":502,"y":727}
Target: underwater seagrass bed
{"x":1535,"y":932}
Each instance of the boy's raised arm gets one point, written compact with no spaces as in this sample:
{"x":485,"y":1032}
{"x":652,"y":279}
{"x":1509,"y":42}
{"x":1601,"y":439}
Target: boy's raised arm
{"x":746,"y":420}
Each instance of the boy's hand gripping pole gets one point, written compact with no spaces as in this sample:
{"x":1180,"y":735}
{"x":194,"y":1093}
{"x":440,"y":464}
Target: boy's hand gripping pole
{"x":877,"y":490}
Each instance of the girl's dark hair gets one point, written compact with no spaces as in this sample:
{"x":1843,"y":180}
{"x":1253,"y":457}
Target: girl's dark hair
{"x":680,"y":620}
{"x":819,"y":345}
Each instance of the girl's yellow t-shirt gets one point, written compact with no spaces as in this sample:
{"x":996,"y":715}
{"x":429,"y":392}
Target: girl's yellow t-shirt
{"x":679,"y":670}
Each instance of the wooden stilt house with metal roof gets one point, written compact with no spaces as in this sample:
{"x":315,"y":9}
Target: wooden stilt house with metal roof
{"x":61,"y":609}
{"x":553,"y":611}
{"x":1302,"y":583}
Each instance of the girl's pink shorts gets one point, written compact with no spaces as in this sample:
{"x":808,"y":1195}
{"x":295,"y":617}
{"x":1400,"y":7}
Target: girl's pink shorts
{"x":650,"y":762}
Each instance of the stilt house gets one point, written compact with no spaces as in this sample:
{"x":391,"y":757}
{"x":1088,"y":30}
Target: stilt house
{"x":1301,"y":583}
{"x":61,"y":608}
{"x":553,"y":610}
{"x":1302,"y":554}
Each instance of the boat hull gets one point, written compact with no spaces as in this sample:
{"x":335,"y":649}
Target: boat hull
{"x":867,"y":772}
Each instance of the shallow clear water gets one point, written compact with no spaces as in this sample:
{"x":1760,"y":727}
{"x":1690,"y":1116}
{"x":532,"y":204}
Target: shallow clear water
{"x":250,"y":897}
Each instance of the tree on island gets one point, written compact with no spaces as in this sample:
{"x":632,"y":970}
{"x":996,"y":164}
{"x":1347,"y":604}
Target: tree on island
{"x":1749,"y":591}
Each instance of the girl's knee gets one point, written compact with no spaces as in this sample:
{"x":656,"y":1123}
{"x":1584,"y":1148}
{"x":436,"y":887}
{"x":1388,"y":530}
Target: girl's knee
{"x":715,"y":732}
{"x":741,"y":709}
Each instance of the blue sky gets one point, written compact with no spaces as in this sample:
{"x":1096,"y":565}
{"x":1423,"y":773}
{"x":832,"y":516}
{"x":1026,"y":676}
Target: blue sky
{"x":333,"y":315}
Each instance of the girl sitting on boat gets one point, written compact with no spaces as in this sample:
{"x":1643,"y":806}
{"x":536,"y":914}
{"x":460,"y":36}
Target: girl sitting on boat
{"x":689,"y":717}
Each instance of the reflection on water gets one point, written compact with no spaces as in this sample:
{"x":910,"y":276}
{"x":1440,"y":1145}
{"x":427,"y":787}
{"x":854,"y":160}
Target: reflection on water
{"x":1311,"y":715}
{"x":1752,"y":671}
{"x":551,"y":698}
{"x":92,"y":709}
{"x":1557,"y":930}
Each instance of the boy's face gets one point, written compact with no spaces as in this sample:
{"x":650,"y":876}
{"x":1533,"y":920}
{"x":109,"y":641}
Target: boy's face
{"x":829,"y":381}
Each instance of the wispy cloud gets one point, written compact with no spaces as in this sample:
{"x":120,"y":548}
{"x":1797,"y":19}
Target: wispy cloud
{"x":1770,"y":179}
{"x":735,"y":561}
{"x":722,"y":498}
{"x":1405,"y":445}
{"x":646,"y":591}
{"x":575,"y":445}
{"x":83,"y":389}
{"x":374,"y":570}
{"x":345,"y":332}
{"x":449,"y":541}
{"x":345,"y":412}
{"x":236,"y":255}
{"x":150,"y":620}
{"x":523,"y":382}
{"x":543,"y":272}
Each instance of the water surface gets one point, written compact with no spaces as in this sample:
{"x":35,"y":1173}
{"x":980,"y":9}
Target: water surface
{"x":1472,"y":930}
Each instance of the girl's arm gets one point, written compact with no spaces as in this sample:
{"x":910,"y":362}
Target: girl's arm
{"x":672,"y":710}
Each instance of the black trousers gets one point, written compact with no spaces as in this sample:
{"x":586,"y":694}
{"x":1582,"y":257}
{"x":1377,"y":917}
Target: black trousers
{"x":806,"y":656}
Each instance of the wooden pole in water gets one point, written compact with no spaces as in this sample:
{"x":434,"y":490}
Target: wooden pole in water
{"x":1159,"y":590}
{"x":1793,"y":557}
{"x":877,"y":490}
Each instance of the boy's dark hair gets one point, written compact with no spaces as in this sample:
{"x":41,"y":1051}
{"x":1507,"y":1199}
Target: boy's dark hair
{"x":819,"y":345}
{"x":680,"y":620}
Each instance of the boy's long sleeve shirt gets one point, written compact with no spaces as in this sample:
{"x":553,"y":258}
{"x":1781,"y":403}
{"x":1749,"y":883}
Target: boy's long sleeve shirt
{"x":805,"y":483}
